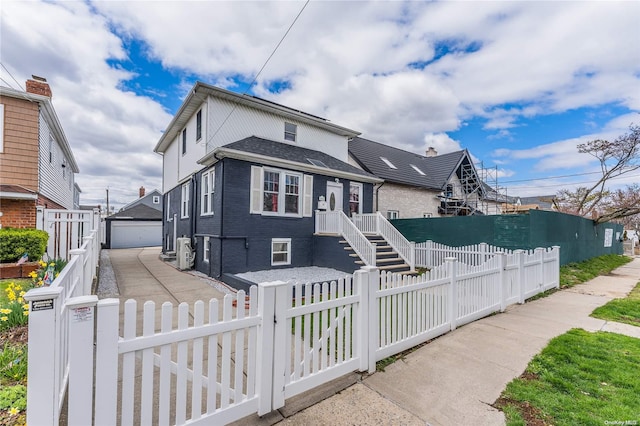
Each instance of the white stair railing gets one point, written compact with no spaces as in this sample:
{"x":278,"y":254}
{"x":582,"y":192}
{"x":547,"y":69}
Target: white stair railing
{"x":337,"y":222}
{"x":376,"y":223}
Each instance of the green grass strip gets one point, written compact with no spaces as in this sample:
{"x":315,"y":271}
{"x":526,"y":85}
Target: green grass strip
{"x":625,"y":310}
{"x":580,"y":378}
{"x":577,"y":273}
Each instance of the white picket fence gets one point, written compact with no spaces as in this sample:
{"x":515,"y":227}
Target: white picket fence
{"x":51,"y":342}
{"x":67,"y":229}
{"x":291,"y":338}
{"x":430,"y":253}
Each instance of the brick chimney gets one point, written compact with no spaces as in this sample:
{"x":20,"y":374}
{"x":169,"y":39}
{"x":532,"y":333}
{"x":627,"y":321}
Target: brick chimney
{"x":141,"y":191}
{"x":431,"y":152}
{"x":38,"y":86}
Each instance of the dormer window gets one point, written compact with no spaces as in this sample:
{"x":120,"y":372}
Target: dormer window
{"x":388,"y":163}
{"x":290,"y":132}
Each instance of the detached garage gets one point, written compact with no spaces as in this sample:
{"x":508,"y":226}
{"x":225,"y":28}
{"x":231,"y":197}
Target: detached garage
{"x":138,"y":226}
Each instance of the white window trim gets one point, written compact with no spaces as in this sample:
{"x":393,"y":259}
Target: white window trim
{"x":288,"y":251}
{"x":184,"y":200}
{"x":360,"y":195}
{"x":206,"y":250}
{"x":281,"y":192}
{"x":208,"y":177}
{"x":168,"y":207}
{"x":156,"y":199}
{"x":427,"y":215}
{"x":420,"y":172}
{"x":392,"y":213}
{"x":183,"y":141}
{"x":388,"y":163}
{"x":199,"y":128}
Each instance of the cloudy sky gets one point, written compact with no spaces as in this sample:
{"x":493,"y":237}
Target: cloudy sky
{"x":518,"y":84}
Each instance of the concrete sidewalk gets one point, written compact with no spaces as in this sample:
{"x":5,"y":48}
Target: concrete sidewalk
{"x":455,"y":379}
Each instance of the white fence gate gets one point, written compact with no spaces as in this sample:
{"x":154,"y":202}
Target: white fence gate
{"x":289,"y":339}
{"x":67,"y":229}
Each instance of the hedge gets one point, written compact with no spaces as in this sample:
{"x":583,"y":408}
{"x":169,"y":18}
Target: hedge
{"x":16,"y":242}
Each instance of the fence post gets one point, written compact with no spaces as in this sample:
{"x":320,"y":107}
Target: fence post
{"x":483,"y":253}
{"x":43,"y":370}
{"x":367,"y":281}
{"x":266,"y":345}
{"x":556,"y":266}
{"x":90,"y":270}
{"x":80,"y":290}
{"x":452,"y":270}
{"x":428,"y":257}
{"x":40,"y":218}
{"x":521,"y":278}
{"x":502,"y":262}
{"x":412,"y":255}
{"x":107,"y":361}
{"x":540,"y":251}
{"x":81,"y":311}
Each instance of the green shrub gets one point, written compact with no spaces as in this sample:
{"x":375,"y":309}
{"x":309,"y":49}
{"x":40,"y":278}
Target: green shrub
{"x":16,"y":242}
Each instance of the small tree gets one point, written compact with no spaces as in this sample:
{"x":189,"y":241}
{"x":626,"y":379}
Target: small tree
{"x":617,"y":157}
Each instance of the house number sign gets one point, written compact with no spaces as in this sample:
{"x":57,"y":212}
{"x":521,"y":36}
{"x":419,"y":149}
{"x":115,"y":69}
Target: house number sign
{"x":41,"y":305}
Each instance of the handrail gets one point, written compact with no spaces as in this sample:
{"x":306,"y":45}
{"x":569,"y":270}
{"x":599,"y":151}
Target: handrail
{"x":336,"y":222}
{"x":376,"y":223}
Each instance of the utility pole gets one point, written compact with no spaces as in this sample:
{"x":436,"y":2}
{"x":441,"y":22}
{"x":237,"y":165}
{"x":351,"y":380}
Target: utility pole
{"x":107,"y":201}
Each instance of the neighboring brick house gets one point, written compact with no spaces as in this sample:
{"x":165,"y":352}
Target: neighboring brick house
{"x":37,"y":167}
{"x":428,"y":185}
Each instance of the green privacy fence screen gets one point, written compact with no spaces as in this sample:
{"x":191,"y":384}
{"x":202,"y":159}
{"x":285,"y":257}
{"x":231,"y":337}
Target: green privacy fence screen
{"x":579,"y":238}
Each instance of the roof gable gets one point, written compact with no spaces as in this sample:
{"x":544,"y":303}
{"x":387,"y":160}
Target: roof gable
{"x":140,"y":212}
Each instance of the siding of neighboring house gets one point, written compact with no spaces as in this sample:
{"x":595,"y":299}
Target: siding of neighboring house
{"x":19,"y":159}
{"x":410,"y":201}
{"x":56,"y":182}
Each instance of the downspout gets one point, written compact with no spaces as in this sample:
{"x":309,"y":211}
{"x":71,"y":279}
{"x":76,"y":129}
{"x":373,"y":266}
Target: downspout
{"x":377,"y":197}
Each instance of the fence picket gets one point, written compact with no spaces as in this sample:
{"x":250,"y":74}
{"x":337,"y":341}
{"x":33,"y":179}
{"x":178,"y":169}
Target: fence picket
{"x":128,"y":364}
{"x":196,"y":383}
{"x":212,"y":359}
{"x":239,"y":351}
{"x":146,"y":399}
{"x":164,"y":402}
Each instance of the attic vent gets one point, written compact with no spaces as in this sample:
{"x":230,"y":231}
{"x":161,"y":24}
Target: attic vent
{"x":388,"y":163}
{"x":417,"y":170}
{"x":317,"y":163}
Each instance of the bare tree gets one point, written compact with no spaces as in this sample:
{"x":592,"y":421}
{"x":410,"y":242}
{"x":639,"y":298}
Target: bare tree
{"x":617,"y":157}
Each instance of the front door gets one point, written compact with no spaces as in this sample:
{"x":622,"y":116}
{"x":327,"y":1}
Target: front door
{"x":334,"y":196}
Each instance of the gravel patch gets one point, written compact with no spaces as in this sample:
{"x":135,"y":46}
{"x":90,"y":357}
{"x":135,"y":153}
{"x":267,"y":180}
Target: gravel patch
{"x":107,"y":284}
{"x":309,"y":274}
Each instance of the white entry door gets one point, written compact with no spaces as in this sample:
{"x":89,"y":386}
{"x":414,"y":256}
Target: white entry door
{"x":334,"y":196}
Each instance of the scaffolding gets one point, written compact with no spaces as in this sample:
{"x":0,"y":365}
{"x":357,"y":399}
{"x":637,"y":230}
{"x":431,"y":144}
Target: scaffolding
{"x":476,"y":192}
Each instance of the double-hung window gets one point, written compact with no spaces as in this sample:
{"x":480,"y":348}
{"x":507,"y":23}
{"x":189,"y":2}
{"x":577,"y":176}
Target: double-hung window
{"x":281,"y":251}
{"x":277,"y":192}
{"x":281,"y":192}
{"x":207,"y":188}
{"x":290,"y":132}
{"x":184,"y":141}
{"x":184,"y":204}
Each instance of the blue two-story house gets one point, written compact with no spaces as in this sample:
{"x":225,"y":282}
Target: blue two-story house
{"x":245,"y":178}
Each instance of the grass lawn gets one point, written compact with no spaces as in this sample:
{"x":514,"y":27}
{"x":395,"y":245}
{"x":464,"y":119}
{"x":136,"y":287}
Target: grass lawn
{"x":577,"y":273}
{"x":625,"y":310}
{"x":580,"y":378}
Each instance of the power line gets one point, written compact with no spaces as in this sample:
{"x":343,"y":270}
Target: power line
{"x":11,"y":75}
{"x":570,"y":183}
{"x":259,"y":72}
{"x":552,"y":177}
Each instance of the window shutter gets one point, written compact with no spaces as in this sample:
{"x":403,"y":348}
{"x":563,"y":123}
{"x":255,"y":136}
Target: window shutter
{"x":256,"y":190}
{"x":307,"y":200}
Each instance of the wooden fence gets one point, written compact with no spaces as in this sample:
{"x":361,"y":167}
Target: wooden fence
{"x":290,"y":338}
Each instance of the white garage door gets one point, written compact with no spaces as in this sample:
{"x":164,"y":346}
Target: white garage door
{"x":135,"y":234}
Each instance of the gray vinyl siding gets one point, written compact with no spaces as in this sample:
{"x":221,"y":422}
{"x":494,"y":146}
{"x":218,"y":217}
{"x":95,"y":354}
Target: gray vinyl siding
{"x":54,"y":184}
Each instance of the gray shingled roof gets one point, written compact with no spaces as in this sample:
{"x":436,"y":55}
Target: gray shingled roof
{"x":138,"y":212}
{"x":437,"y":169}
{"x":294,"y":153}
